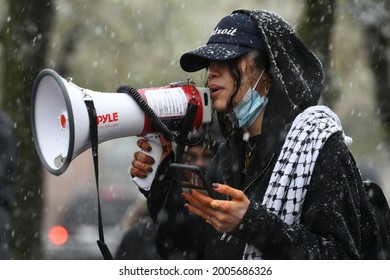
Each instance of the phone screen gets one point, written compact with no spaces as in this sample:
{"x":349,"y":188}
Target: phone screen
{"x":190,"y":177}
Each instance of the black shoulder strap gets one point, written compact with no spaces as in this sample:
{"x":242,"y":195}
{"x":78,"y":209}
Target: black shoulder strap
{"x":94,"y":146}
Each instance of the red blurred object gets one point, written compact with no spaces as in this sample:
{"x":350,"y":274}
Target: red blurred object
{"x":58,"y":235}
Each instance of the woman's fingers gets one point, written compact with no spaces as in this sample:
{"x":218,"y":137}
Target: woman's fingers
{"x":144,"y":144}
{"x":138,"y":173}
{"x":201,"y":205}
{"x":233,"y":193}
{"x":166,"y":145}
{"x":223,"y":215}
{"x":204,"y":199}
{"x":195,"y":210}
{"x":142,"y":157}
{"x":198,"y":199}
{"x":141,"y":164}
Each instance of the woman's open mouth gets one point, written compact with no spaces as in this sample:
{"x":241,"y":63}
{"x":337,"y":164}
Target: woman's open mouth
{"x":214,"y":90}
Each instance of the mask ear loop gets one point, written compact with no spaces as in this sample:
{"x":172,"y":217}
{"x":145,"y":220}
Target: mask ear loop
{"x":258,"y":80}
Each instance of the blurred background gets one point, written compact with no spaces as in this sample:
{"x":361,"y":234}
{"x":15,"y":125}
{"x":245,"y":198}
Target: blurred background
{"x":102,"y":44}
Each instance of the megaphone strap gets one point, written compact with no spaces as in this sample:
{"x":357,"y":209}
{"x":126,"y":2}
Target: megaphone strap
{"x":93,"y":131}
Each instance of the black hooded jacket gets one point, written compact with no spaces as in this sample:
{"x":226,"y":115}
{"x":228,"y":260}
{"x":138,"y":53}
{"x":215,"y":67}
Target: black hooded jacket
{"x":337,"y":221}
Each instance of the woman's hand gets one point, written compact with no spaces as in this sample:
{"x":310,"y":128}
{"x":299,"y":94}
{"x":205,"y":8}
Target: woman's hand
{"x":142,"y":163}
{"x":223,"y":215}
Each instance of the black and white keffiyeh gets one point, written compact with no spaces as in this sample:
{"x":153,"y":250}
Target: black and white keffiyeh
{"x":291,"y":176}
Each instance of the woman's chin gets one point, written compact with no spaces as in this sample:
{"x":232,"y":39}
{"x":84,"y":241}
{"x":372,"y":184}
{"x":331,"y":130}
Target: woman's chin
{"x":220,"y":110}
{"x":219,"y":106}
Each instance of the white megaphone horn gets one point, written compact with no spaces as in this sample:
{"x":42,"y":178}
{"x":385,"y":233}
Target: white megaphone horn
{"x":61,"y":124}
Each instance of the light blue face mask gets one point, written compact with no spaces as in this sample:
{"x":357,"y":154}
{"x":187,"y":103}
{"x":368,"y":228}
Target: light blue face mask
{"x":249,"y":108}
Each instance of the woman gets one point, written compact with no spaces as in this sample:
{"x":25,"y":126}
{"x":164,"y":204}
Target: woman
{"x":288,"y":185}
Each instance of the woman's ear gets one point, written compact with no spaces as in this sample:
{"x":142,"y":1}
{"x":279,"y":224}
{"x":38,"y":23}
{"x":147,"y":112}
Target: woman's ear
{"x":266,"y":81}
{"x":266,"y":78}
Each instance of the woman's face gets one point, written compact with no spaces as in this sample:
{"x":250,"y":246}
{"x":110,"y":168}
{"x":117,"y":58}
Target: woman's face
{"x":221,"y":83}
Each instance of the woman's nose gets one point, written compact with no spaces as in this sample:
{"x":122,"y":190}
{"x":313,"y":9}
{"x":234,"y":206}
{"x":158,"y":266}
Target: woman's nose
{"x":212,"y":70}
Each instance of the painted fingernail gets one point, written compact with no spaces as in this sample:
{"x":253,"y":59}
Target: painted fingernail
{"x":150,"y":160}
{"x":215,"y":185}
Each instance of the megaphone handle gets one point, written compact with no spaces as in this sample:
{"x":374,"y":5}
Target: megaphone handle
{"x":156,"y":152}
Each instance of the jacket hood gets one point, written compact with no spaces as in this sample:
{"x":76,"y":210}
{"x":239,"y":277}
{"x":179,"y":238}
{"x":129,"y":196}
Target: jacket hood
{"x":297,"y":74}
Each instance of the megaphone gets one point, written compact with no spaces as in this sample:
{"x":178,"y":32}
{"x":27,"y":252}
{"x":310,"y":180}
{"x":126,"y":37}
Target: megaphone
{"x":61,"y":124}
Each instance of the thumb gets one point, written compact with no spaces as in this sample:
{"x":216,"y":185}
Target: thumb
{"x":166,"y":147}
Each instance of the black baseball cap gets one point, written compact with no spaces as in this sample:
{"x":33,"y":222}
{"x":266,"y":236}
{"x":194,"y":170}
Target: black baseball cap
{"x":234,"y":36}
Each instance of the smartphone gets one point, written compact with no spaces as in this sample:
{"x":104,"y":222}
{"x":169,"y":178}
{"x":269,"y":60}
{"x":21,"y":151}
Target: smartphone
{"x":190,"y":177}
